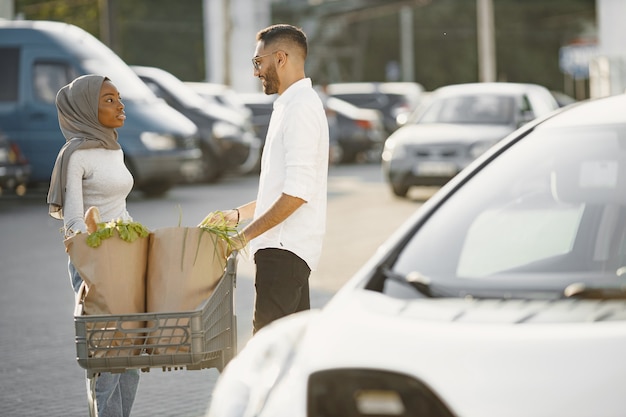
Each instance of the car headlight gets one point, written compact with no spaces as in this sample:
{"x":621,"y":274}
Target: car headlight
{"x":225,"y":130}
{"x":393,"y":150}
{"x":247,"y":381}
{"x":480,"y":148}
{"x":157,"y":141}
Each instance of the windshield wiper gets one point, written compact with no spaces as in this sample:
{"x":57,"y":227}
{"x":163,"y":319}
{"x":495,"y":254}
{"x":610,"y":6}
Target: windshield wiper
{"x":580,"y":290}
{"x":418,"y":281}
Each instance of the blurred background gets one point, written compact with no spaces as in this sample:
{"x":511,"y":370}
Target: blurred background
{"x":572,"y":46}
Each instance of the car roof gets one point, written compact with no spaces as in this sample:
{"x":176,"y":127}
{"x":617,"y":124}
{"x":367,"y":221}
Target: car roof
{"x":489,"y":87}
{"x":208,"y":87}
{"x":65,"y":36}
{"x":606,"y":110}
{"x":402,"y":88}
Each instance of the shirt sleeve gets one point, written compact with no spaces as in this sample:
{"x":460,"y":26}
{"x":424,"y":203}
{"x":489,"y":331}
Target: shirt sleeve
{"x":73,"y":216}
{"x":302,"y":135}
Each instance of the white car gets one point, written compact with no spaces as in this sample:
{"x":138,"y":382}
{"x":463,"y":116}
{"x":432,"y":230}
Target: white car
{"x":503,"y":295}
{"x":456,"y":125}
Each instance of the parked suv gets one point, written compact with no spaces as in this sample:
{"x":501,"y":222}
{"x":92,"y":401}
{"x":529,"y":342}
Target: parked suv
{"x":37,"y":58}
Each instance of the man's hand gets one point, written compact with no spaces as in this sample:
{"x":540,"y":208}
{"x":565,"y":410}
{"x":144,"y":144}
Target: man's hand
{"x":238,"y":242}
{"x":230,"y":217}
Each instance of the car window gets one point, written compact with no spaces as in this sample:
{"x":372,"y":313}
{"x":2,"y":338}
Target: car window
{"x":551,"y":204}
{"x":368,"y":101}
{"x":525,"y":104}
{"x":482,"y":109}
{"x":504,"y":238}
{"x":9,"y":70}
{"x":49,"y":77}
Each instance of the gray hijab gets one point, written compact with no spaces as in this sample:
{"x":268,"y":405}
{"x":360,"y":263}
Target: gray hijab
{"x":77,"y":106}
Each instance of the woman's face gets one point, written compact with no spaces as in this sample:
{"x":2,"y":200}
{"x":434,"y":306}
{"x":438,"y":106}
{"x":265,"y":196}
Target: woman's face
{"x":110,"y":107}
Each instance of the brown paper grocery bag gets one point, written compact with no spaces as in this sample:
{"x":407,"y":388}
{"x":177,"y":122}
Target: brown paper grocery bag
{"x":185,"y":265}
{"x":115,"y":277}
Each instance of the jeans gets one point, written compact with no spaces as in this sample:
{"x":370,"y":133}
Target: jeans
{"x":282,"y":286}
{"x":115,"y":393}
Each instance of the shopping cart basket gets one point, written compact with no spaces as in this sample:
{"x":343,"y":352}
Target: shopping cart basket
{"x":188,"y":340}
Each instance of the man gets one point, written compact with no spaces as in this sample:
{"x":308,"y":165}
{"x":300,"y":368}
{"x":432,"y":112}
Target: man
{"x":288,"y":218}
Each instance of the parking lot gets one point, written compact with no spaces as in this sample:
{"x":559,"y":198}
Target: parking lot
{"x":38,"y":371}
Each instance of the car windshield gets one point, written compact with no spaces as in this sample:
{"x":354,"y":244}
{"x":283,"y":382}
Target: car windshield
{"x":480,"y":109}
{"x":179,"y":89}
{"x":547,"y":213}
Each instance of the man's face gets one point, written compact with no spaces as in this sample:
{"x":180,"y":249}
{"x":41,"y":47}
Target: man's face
{"x":265,"y":69}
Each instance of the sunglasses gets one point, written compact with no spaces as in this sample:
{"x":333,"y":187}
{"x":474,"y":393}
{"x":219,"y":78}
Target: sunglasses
{"x":256,"y":61}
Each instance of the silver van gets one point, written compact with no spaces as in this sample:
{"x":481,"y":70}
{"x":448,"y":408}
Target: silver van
{"x":37,"y":58}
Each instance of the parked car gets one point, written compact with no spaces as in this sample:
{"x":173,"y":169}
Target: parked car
{"x":37,"y":58}
{"x":220,"y":94}
{"x":260,"y":106}
{"x":395,"y":100}
{"x":228,"y":141}
{"x":503,"y":295}
{"x":458,"y":123}
{"x":356,"y":134}
{"x":14,"y":168}
{"x":562,"y":99}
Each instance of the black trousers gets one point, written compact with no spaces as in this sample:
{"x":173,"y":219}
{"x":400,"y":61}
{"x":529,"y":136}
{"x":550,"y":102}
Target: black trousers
{"x":282,"y":286}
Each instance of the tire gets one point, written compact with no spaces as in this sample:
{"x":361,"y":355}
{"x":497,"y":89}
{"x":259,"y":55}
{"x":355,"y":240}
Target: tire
{"x":212,"y":167}
{"x":155,"y":189}
{"x":399,"y":190}
{"x":335,"y":156}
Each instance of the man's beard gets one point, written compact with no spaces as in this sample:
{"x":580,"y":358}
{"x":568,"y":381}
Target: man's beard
{"x":271,"y":81}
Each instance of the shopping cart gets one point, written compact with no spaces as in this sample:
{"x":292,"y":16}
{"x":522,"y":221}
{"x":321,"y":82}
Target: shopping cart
{"x":190,"y":340}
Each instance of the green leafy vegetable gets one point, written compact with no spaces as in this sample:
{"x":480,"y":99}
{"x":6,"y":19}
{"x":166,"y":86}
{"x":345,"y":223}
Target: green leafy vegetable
{"x":216,"y":223}
{"x":127,"y":231}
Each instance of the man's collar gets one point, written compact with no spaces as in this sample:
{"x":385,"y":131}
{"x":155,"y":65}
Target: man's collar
{"x":292,"y":90}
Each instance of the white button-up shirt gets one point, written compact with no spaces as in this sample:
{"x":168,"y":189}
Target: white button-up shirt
{"x":295,"y":162}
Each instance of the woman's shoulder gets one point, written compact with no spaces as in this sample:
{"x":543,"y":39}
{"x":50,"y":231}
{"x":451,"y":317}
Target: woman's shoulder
{"x":96,"y":152}
{"x":92,"y":156}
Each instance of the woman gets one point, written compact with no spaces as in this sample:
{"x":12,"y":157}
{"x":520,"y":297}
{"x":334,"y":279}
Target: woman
{"x":90,"y":171}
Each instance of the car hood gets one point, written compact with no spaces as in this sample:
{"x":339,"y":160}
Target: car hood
{"x":446,"y":132}
{"x":155,"y":117}
{"x":221,"y":112}
{"x":482,"y":358}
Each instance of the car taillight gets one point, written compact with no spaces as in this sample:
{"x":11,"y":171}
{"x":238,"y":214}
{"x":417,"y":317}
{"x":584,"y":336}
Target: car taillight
{"x":364,"y":124}
{"x":15,"y":155}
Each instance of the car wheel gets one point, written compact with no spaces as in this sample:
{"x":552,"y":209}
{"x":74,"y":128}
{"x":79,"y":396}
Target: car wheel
{"x":348,"y":157}
{"x":335,"y":154}
{"x":211,"y":166}
{"x":399,"y":190}
{"x":155,"y":189}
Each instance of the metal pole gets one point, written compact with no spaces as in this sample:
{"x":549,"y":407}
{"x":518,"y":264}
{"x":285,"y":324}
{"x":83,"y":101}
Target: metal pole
{"x":108,"y":27}
{"x":406,"y":44}
{"x":486,"y":41}
{"x":214,"y":43}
